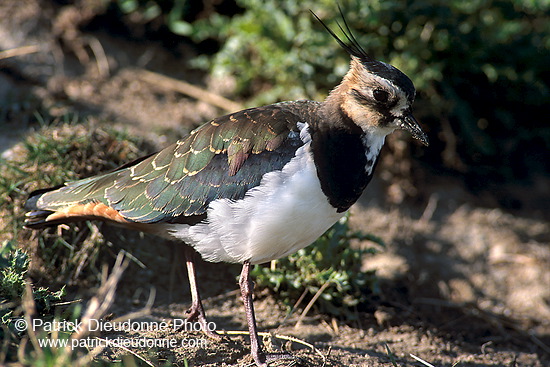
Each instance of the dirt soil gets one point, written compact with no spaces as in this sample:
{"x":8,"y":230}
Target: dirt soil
{"x":461,"y":283}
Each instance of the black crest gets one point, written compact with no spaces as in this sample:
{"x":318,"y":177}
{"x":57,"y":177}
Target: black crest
{"x":352,"y":46}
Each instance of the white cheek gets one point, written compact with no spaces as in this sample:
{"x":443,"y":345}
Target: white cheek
{"x":401,"y":107}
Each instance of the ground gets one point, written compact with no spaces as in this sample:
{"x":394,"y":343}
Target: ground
{"x":462,"y":280}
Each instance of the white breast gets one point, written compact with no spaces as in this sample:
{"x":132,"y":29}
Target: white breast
{"x":286,"y":212}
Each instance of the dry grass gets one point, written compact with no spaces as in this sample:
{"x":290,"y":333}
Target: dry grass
{"x":62,"y":150}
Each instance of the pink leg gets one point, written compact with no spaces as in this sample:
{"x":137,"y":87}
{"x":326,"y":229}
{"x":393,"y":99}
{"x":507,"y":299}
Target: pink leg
{"x":196,"y":312}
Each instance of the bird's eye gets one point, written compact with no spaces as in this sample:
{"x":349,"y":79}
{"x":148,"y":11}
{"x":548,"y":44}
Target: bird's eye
{"x":380,"y":95}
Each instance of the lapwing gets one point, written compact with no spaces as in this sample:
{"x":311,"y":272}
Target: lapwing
{"x":255,"y":185}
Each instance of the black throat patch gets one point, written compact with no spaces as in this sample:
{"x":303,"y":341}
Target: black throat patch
{"x":339,"y":156}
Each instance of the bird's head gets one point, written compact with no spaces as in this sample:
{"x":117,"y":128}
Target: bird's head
{"x":376,"y":96}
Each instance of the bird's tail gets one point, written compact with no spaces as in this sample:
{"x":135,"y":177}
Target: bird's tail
{"x":72,"y":202}
{"x":35,"y":217}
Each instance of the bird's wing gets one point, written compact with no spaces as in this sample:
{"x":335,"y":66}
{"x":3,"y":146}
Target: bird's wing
{"x":221,"y":159}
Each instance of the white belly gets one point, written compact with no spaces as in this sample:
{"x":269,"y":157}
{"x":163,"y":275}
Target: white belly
{"x":286,"y":212}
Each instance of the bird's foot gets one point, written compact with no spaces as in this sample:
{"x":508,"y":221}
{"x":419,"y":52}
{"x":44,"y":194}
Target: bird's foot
{"x":263,"y":359}
{"x":196,"y":312}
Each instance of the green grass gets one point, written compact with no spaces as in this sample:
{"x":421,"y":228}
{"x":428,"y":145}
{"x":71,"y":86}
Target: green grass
{"x":14,"y":267}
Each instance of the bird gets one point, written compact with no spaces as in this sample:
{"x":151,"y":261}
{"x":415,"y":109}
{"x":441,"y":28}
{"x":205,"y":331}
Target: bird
{"x":254,"y":185}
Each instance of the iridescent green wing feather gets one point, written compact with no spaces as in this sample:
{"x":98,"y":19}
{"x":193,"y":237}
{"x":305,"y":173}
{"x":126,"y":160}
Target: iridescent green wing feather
{"x":222,"y":159}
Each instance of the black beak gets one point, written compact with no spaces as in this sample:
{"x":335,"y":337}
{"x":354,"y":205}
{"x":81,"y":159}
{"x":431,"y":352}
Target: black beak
{"x":410,"y":124}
